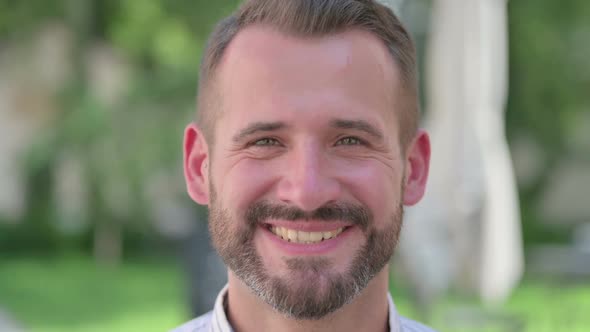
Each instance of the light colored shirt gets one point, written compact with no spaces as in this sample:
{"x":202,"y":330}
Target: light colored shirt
{"x":216,"y":320}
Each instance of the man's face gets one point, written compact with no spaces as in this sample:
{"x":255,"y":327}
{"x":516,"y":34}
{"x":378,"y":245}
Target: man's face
{"x":306,"y":180}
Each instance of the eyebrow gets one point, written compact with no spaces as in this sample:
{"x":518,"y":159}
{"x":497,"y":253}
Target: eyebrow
{"x":258,"y":127}
{"x":361,"y":125}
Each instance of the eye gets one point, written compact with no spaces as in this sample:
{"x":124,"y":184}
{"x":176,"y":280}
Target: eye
{"x":267,"y":141}
{"x":349,"y":141}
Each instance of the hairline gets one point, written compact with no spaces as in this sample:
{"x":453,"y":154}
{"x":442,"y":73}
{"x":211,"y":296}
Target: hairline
{"x":209,"y":94}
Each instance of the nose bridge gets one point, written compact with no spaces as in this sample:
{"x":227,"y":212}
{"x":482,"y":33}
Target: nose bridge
{"x":309,"y":184}
{"x":307,"y":167}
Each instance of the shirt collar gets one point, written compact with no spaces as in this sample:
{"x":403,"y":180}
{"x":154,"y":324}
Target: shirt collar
{"x":219,"y":322}
{"x":394,"y":321}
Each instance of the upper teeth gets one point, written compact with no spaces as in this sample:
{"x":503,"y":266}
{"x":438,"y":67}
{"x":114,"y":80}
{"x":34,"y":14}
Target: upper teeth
{"x":304,"y":237}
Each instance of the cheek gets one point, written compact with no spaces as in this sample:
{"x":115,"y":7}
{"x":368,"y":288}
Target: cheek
{"x":244,"y":182}
{"x":378,"y":187}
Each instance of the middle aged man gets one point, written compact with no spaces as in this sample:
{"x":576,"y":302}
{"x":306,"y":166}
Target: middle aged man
{"x":306,"y":149}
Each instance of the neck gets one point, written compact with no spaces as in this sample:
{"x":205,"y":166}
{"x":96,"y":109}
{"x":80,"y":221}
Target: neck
{"x":367,"y":312}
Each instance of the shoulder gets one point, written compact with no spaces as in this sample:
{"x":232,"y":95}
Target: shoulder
{"x":409,"y":325}
{"x":199,"y":324}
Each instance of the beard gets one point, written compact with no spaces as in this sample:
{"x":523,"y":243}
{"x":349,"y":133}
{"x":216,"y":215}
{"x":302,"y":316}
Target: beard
{"x":309,"y":290}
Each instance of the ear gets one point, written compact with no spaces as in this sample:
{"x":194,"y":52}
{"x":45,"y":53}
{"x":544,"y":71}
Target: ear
{"x":417,"y":165}
{"x":196,"y":160}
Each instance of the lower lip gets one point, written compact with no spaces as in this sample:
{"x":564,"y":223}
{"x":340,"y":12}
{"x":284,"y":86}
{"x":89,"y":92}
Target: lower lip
{"x":302,"y":249}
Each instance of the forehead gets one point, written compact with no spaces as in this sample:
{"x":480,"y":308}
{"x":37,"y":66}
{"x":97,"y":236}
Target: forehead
{"x":264,"y":70}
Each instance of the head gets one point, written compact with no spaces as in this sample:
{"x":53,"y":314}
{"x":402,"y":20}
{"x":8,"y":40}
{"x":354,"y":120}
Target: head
{"x":306,"y":147}
{"x":313,"y":19}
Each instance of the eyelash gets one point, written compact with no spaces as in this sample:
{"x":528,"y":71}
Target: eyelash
{"x":257,"y":142}
{"x":357,"y":140}
{"x":269,"y":141}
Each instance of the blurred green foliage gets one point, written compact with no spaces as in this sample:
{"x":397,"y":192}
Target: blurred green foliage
{"x":127,"y":142}
{"x":76,"y":295}
{"x":138,"y":136}
{"x":549,"y":93}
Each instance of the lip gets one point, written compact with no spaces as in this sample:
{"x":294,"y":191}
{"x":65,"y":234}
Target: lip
{"x":309,"y":249}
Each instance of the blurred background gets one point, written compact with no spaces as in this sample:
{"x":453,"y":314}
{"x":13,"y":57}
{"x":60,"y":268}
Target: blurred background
{"x":98,"y":234}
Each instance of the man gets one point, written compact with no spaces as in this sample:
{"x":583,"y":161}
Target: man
{"x":306,"y":149}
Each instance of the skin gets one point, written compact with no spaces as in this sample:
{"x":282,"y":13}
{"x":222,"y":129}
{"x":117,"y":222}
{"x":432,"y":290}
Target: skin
{"x":280,"y":138}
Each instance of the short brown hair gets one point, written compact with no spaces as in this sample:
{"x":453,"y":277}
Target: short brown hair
{"x":314,"y":18}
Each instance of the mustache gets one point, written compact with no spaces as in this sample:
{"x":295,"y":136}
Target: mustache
{"x":356,"y":214}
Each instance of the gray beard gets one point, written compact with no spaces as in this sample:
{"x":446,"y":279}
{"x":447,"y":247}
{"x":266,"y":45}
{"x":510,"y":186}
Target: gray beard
{"x":309,"y":291}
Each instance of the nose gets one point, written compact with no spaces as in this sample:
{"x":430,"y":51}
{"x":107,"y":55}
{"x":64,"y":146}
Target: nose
{"x":308,"y":180}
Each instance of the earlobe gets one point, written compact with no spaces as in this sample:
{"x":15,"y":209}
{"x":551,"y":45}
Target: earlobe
{"x":417,"y":166}
{"x":196,"y":160}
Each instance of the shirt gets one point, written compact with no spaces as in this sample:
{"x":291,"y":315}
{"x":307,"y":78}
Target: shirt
{"x":216,"y":320}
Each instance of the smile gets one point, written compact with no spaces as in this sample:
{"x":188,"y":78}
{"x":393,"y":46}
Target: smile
{"x":296,"y":236}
